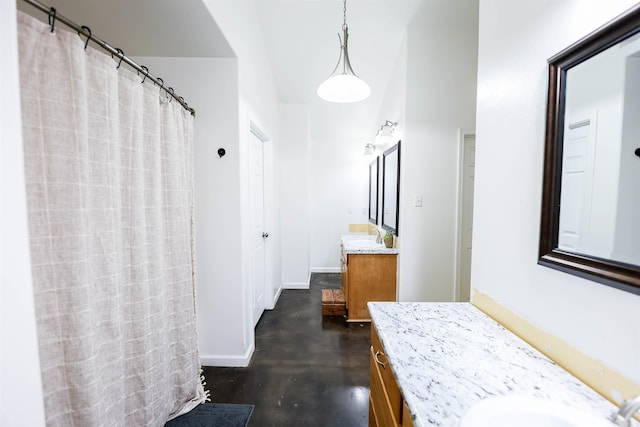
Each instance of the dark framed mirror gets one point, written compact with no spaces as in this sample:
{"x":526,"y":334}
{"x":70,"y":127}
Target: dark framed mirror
{"x":391,"y":189}
{"x":591,"y":183}
{"x":374,"y":169}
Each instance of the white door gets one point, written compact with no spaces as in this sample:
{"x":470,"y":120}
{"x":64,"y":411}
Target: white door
{"x":258,"y":234}
{"x":574,"y":194}
{"x":466,"y":223}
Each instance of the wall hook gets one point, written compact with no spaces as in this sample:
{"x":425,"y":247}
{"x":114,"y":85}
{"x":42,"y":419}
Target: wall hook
{"x":637,"y":152}
{"x":221,"y":152}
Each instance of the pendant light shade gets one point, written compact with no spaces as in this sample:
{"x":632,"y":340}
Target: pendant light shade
{"x":344,"y":88}
{"x":343,"y":85}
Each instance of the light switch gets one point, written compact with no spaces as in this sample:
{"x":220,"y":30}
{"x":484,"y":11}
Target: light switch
{"x":418,"y":201}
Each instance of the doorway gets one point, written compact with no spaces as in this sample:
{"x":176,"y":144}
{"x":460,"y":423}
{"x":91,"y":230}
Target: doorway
{"x":259,"y":235}
{"x":577,"y":189}
{"x":465,"y":223}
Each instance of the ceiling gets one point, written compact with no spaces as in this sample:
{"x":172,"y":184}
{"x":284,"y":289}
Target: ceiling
{"x":146,"y":27}
{"x":300,"y":37}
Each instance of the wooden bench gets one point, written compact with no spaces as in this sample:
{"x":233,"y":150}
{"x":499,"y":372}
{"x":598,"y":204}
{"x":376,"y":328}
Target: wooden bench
{"x":333,"y":302}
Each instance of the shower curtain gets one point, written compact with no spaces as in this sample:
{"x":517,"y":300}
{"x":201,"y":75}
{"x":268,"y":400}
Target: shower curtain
{"x":108,"y":164}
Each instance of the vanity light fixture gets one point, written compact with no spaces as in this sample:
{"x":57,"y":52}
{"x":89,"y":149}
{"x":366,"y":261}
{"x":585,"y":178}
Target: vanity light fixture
{"x":344,"y":85}
{"x":369,"y":149}
{"x":385,"y":133}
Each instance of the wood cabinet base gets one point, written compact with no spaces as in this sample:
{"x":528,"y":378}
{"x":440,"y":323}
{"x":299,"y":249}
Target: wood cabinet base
{"x":365,"y":278}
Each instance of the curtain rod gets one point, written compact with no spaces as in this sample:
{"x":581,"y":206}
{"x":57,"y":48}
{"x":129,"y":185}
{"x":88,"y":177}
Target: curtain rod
{"x":86,"y":31}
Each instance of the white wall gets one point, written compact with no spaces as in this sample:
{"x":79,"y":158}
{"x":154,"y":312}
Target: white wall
{"x":21,"y":402}
{"x":627,"y":240}
{"x":258,"y":104}
{"x":295,"y":141}
{"x":339,"y":182}
{"x":441,"y":91}
{"x":515,"y":40}
{"x":394,"y":109}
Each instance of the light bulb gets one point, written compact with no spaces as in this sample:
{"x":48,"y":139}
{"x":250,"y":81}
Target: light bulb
{"x":344,"y":88}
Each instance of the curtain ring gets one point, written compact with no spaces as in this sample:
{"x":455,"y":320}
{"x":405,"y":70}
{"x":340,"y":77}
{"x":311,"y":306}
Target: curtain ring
{"x":146,"y":73}
{"x":121,"y":55}
{"x":192,"y":111}
{"x":181,"y":100}
{"x":87,"y":30}
{"x":170,"y":92}
{"x":52,"y":18}
{"x":161,"y":84}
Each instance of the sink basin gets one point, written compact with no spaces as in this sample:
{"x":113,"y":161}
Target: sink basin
{"x":509,"y":411}
{"x":364,"y":243}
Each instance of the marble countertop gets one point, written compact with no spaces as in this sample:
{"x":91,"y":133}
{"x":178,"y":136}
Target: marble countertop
{"x":351,"y":249}
{"x":448,"y":356}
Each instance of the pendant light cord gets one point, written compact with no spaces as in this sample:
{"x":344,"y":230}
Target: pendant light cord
{"x":344,"y":16}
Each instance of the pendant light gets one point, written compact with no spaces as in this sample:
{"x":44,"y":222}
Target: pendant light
{"x":343,"y":85}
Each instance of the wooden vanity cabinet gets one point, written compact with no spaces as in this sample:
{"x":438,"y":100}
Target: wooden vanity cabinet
{"x":386,"y":406}
{"x":364,"y":278}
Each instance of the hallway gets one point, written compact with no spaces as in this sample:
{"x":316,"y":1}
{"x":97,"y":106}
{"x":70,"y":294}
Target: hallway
{"x":306,"y":370}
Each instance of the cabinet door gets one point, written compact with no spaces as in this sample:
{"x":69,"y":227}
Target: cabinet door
{"x":371,"y":278}
{"x":382,"y":407}
{"x":373,"y":418}
{"x":384,"y":389}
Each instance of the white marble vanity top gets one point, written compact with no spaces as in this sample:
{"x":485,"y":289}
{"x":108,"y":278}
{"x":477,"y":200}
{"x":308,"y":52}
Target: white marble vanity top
{"x":350,"y":248}
{"x":448,"y":356}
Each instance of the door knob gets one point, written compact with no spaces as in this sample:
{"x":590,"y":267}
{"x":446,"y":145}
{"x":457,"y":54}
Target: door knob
{"x":265,"y":235}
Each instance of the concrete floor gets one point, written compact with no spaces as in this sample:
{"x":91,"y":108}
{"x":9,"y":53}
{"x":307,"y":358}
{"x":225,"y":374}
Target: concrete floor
{"x":307,"y":370}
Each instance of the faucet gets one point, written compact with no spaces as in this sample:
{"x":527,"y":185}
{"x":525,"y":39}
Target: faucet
{"x":379,"y":237}
{"x":627,"y":409}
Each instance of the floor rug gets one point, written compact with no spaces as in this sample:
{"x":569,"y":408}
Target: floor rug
{"x":214,"y":414}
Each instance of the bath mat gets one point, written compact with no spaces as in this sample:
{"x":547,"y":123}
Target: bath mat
{"x":214,"y":414}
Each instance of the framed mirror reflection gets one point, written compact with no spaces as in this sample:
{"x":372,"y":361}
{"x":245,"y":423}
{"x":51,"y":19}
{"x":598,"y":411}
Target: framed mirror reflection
{"x":591,"y":190}
{"x":391,"y":188}
{"x":374,"y":168}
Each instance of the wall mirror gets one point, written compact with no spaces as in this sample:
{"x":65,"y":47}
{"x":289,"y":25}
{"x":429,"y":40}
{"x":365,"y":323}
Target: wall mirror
{"x":373,"y":190}
{"x":391,"y":188}
{"x":590,"y":222}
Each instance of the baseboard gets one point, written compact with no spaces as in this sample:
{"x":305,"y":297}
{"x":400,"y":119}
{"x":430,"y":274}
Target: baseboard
{"x":292,"y":285}
{"x":228,"y":360}
{"x":609,"y":383}
{"x":276,"y":297}
{"x":325,"y":270}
